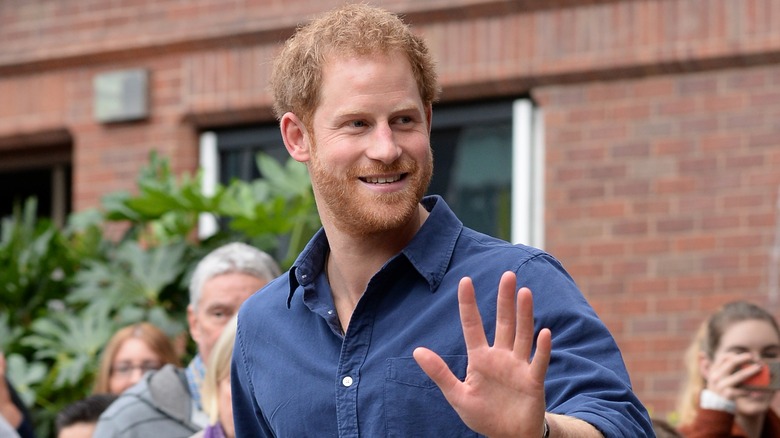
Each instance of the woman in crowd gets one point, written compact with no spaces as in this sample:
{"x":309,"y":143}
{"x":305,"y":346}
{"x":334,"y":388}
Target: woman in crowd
{"x":216,"y":395}
{"x":132,"y":351}
{"x":731,"y":347}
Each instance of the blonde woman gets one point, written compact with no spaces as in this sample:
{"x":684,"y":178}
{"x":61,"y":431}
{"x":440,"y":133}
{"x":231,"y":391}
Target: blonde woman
{"x":131,"y":352}
{"x":729,"y":348}
{"x":216,"y":394}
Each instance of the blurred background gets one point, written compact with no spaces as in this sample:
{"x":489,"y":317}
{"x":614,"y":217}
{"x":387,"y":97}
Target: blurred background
{"x":638,"y":141}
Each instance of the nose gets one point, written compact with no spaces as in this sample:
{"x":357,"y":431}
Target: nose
{"x":383,"y":145}
{"x":136,"y":375}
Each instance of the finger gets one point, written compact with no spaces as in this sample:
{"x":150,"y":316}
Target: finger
{"x":728,"y":364}
{"x":743,"y":373}
{"x":505,"y":311}
{"x":470,"y":320}
{"x":541,"y":360}
{"x":435,"y":367}
{"x":524,"y":335}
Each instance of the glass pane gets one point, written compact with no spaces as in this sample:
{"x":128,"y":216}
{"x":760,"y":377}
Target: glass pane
{"x":475,"y":176}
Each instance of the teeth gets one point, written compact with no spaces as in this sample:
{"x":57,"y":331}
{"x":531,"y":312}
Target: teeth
{"x":383,"y":180}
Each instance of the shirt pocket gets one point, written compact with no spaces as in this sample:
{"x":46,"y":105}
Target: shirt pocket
{"x":415,"y":406}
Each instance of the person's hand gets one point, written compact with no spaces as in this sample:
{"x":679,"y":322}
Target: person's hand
{"x":8,"y":409}
{"x":503,"y":393}
{"x":728,"y":371}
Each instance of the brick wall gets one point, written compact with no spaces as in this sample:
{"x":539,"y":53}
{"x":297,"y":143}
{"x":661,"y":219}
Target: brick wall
{"x":661,"y":125}
{"x":662,"y":201}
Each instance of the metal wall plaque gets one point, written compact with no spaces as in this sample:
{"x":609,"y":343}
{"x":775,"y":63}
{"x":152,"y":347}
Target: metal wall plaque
{"x":121,"y":96}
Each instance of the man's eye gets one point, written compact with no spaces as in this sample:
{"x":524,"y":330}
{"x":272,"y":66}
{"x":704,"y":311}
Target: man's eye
{"x":357,"y":124}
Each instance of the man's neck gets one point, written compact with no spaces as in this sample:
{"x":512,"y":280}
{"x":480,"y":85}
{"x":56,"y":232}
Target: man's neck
{"x":354,"y":259}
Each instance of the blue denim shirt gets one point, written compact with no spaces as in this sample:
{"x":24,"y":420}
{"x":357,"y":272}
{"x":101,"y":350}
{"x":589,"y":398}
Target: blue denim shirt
{"x":296,"y":375}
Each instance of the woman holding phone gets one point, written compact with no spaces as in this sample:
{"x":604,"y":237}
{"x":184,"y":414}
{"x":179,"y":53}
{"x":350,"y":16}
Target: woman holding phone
{"x":729,"y":392}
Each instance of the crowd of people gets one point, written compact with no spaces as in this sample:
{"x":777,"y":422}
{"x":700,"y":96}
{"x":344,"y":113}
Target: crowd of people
{"x":396,"y":320}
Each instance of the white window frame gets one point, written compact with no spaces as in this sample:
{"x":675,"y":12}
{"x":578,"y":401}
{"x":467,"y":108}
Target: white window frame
{"x":209,"y":164}
{"x":528,"y":173}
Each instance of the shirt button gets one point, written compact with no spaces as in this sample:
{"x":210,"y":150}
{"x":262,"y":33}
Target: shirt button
{"x":330,"y":312}
{"x":347,"y":381}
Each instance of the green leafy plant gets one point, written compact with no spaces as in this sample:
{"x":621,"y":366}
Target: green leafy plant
{"x":37,"y":265}
{"x":64,"y":292}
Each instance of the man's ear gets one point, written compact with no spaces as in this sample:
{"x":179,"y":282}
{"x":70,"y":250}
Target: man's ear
{"x":295,"y":138}
{"x":192,"y":323}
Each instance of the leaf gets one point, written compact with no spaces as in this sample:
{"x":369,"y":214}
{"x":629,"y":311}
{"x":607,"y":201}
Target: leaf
{"x":73,"y":342}
{"x":8,"y":333}
{"x":25,"y":376}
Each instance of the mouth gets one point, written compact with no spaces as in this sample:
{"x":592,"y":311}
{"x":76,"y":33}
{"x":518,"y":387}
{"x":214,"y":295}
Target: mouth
{"x":383,"y":179}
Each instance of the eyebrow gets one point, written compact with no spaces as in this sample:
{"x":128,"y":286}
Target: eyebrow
{"x":357,"y":112}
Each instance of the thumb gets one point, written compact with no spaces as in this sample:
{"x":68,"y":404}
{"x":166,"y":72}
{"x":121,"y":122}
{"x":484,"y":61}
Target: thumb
{"x":435,"y":367}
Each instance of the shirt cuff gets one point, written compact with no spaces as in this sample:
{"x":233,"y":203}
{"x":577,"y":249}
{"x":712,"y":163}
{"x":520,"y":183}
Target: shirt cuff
{"x":711,"y":400}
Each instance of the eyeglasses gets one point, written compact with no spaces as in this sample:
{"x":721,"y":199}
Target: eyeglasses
{"x":125,"y":369}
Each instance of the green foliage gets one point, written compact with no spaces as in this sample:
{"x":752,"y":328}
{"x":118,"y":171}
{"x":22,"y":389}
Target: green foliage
{"x":64,"y":292}
{"x":37,"y":266}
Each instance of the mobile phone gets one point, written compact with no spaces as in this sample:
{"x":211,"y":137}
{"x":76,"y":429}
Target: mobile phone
{"x":768,"y":379}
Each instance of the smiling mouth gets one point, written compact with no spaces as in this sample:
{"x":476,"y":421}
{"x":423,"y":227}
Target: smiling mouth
{"x":383,"y":179}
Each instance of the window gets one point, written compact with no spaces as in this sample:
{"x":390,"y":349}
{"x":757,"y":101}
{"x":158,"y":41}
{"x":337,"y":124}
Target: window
{"x":488,"y":162}
{"x":40,"y":171}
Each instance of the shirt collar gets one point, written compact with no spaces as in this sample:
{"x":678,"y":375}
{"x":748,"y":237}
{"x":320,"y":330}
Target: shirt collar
{"x":196,"y":372}
{"x":429,"y":251}
{"x":431,"y":248}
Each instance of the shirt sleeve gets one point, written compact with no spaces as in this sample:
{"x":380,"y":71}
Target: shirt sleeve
{"x":587,"y":378}
{"x":709,"y":423}
{"x":247,"y":417}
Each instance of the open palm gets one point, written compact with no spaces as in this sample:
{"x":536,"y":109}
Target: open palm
{"x":503,"y":393}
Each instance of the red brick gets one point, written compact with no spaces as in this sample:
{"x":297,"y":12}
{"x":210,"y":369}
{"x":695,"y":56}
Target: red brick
{"x":648,"y":286}
{"x":629,"y":268}
{"x":675,"y":225}
{"x":674,"y":305}
{"x":721,"y":262}
{"x":702,"y":282}
{"x":711,"y":223}
{"x":704,"y":164}
{"x":695,"y":243}
{"x":585,"y":193}
{"x":744,"y":201}
{"x":606,"y":249}
{"x":742,"y":282}
{"x":624,"y":228}
{"x":650,"y":246}
{"x":631,"y":149}
{"x":675,"y":185}
{"x":632,"y":189}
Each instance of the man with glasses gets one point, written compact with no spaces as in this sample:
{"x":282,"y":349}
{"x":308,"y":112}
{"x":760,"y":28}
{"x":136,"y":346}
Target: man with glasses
{"x":166,"y":403}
